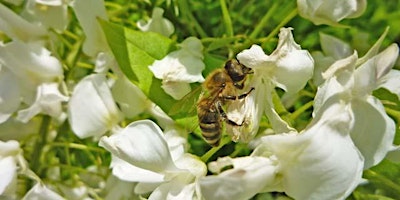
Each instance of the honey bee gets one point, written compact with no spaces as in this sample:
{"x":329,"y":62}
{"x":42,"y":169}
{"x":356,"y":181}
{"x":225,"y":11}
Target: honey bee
{"x":220,"y":87}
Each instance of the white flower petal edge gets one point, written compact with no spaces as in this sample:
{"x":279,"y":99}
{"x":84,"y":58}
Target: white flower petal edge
{"x":8,"y":165}
{"x":18,"y":28}
{"x":95,"y":39}
{"x":391,"y":82}
{"x":128,"y":172}
{"x":131,"y":100}
{"x":157,"y":23}
{"x":91,"y":109}
{"x":51,"y":14}
{"x":40,"y":191}
{"x":248,"y":177}
{"x":141,"y":144}
{"x":373,"y":131}
{"x":48,"y":101}
{"x":9,"y":94}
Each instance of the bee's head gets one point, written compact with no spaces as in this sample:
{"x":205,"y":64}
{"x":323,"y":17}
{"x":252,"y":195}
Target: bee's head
{"x":237,"y":72}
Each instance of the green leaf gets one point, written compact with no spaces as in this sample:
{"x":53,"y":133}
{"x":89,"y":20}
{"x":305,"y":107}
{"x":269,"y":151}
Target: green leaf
{"x":115,"y":36}
{"x":134,"y":52}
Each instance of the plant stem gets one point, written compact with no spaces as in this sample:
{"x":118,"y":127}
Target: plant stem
{"x":303,"y":108}
{"x":375,"y":177}
{"x":40,"y":143}
{"x":227,"y":18}
{"x":186,"y":11}
{"x":212,"y":151}
{"x":263,"y":21}
{"x":289,"y":17}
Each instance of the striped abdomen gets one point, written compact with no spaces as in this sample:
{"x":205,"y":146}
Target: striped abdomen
{"x":210,"y":124}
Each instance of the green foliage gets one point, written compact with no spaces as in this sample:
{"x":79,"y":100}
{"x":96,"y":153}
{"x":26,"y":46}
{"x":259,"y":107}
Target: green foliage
{"x":135,"y":51}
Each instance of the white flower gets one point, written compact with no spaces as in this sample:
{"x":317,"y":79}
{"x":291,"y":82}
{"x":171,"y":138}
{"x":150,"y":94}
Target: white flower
{"x":49,"y":13}
{"x":181,"y":67}
{"x":288,"y":67}
{"x":351,"y":81}
{"x":15,"y":27}
{"x":248,"y":177}
{"x":321,"y":162}
{"x":119,"y":189}
{"x":91,"y":109}
{"x":48,"y":101}
{"x":131,"y":100}
{"x":23,"y":76}
{"x":141,"y":153}
{"x":87,"y":13}
{"x":333,"y":49}
{"x":9,"y":151}
{"x":41,"y":192}
{"x":330,"y":12}
{"x":157,"y":23}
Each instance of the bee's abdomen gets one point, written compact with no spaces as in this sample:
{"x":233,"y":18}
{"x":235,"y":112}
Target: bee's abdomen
{"x":210,"y":126}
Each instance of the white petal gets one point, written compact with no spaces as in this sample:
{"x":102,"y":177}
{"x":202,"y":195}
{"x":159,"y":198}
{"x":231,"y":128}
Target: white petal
{"x":173,"y":191}
{"x":278,"y":124}
{"x":386,"y":60}
{"x":176,"y":90}
{"x":193,"y":164}
{"x":247,"y":112}
{"x":247,"y":178}
{"x":368,"y":75}
{"x":335,"y":47}
{"x":95,"y":39}
{"x":321,"y":64}
{"x":297,"y":64}
{"x":37,"y":66}
{"x":41,"y":192}
{"x":50,"y":2}
{"x":131,"y":100}
{"x":128,"y":172}
{"x":157,"y":23}
{"x":330,"y":12}
{"x":391,"y":82}
{"x":51,"y":14}
{"x":8,"y":174}
{"x":373,"y":131}
{"x":374,"y":49}
{"x":48,"y":101}
{"x":117,"y":189}
{"x":347,"y":63}
{"x":291,"y":61}
{"x":142,"y":144}
{"x":16,"y":27}
{"x":321,"y":162}
{"x":254,"y":57}
{"x":9,"y":148}
{"x":13,"y":129}
{"x":184,"y":65}
{"x":9,"y":94}
{"x":91,"y":109}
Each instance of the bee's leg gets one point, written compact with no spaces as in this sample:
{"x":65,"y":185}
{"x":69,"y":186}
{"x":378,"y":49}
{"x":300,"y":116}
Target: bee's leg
{"x":224,"y":116}
{"x":245,"y":94}
{"x":242,"y":96}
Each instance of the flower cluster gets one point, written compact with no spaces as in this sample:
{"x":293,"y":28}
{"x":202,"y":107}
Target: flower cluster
{"x":90,"y":109}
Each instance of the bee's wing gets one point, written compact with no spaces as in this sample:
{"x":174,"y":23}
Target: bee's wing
{"x":186,"y":106}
